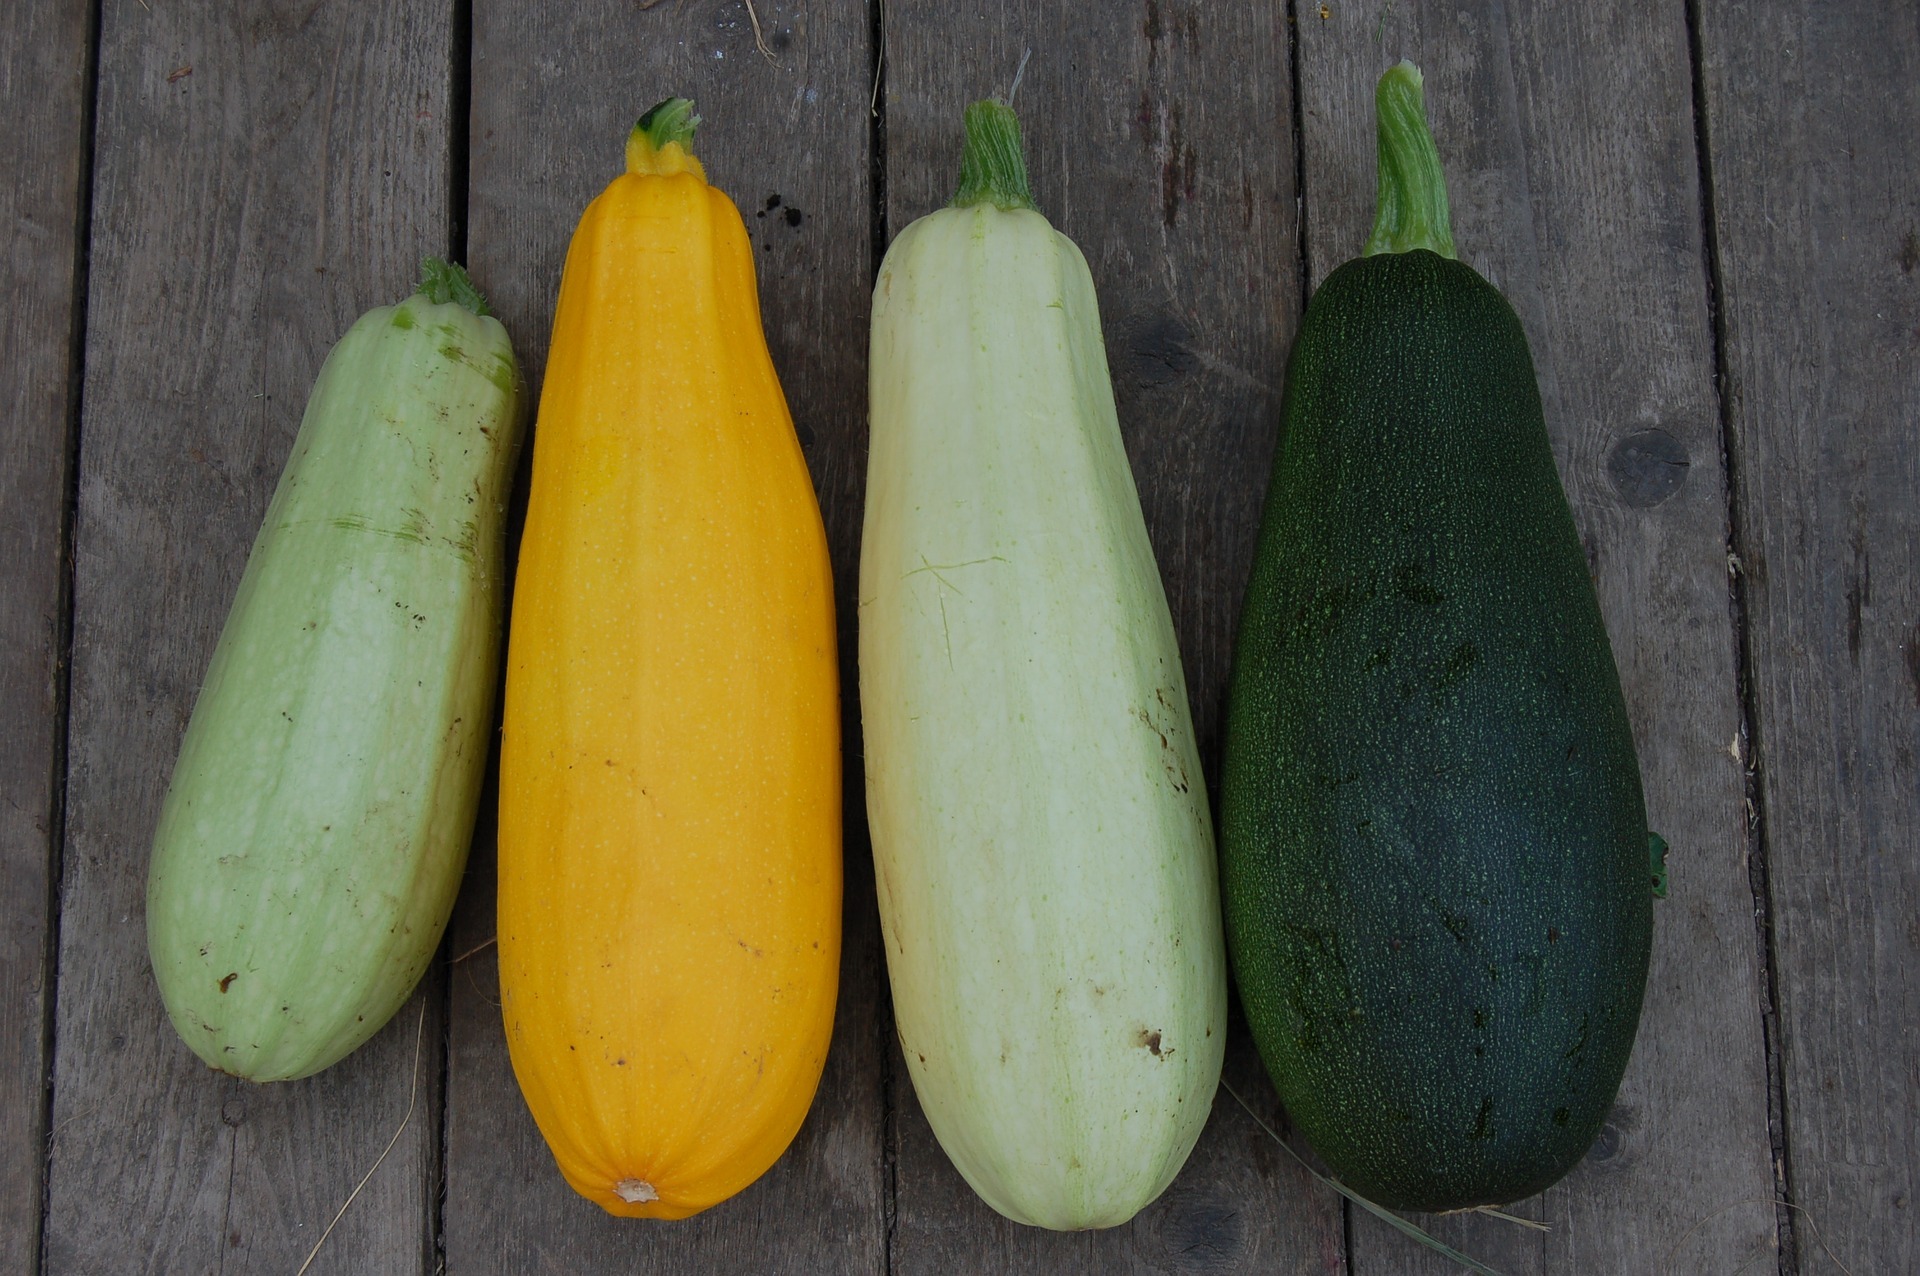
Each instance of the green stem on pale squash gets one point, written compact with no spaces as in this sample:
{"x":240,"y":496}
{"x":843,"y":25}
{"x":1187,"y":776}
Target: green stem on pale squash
{"x":443,"y":281}
{"x":993,"y":169}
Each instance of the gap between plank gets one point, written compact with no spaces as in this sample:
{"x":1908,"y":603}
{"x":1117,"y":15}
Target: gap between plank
{"x":877,"y":138}
{"x":1758,"y":879}
{"x":876,"y":253}
{"x":459,"y":128}
{"x":1299,"y":163}
{"x":459,"y":180}
{"x":59,"y":762}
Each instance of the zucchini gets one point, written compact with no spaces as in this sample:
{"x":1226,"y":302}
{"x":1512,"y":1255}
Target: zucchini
{"x":1041,"y":838}
{"x":1434,"y":842}
{"x":318,"y":818}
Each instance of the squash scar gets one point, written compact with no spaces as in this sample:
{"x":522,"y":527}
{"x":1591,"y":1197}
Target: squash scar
{"x":937,"y":568}
{"x":945,"y":632}
{"x":934,"y":569}
{"x":635,"y":1191}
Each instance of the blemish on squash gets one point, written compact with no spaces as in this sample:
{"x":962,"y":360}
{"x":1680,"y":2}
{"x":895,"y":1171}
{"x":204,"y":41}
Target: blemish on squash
{"x":225,"y":983}
{"x":1483,"y":1124}
{"x":635,"y":1191}
{"x":1579,"y":1045}
{"x":1150,"y":1038}
{"x":403,"y":319}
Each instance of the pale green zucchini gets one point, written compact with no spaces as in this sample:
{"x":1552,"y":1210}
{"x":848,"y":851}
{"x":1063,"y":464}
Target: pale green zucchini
{"x":319,"y":814}
{"x":1040,"y":829}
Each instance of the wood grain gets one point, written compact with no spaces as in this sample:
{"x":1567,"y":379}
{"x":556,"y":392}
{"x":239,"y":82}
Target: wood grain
{"x":45,"y":56}
{"x":1568,"y":144}
{"x":555,"y":89}
{"x":1811,"y":112}
{"x":1158,"y":139}
{"x":264,"y":173}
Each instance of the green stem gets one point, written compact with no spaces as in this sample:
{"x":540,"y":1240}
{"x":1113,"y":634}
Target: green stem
{"x":992,"y":168}
{"x":670,"y":121}
{"x":1413,"y":190}
{"x":443,"y":281}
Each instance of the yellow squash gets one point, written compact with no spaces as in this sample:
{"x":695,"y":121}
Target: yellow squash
{"x":670,"y":772}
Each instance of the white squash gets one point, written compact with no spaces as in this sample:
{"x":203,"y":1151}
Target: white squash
{"x":1041,"y":838}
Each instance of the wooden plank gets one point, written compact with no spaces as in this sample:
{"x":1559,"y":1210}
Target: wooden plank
{"x":263,"y":175}
{"x":45,"y":57}
{"x":1158,"y":139}
{"x":1811,"y":112}
{"x":555,"y":89}
{"x":1568,"y":142}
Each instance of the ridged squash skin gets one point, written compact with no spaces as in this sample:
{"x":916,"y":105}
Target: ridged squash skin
{"x":1041,"y":837}
{"x":318,"y":818}
{"x":670,"y":873}
{"x":1434,"y":843}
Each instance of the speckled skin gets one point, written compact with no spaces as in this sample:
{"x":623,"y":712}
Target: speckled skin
{"x":1433,"y":836}
{"x":317,"y":823}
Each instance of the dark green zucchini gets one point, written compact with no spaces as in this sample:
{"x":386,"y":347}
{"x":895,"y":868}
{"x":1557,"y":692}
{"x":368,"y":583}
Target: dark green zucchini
{"x":1433,"y":837}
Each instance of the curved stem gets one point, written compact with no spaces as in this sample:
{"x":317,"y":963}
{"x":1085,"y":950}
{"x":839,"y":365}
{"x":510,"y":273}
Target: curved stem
{"x":993,"y":169}
{"x":1413,"y":190}
{"x":444,"y":281}
{"x":662,"y":142}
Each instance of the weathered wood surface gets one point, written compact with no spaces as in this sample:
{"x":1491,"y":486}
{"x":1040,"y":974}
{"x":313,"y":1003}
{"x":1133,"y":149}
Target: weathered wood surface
{"x":1158,"y":138}
{"x":264,"y":173}
{"x":555,"y":89}
{"x":45,"y":51}
{"x":1568,"y":144}
{"x":1812,"y":113}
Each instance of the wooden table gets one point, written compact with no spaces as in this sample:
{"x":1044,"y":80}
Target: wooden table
{"x":1707,"y":216}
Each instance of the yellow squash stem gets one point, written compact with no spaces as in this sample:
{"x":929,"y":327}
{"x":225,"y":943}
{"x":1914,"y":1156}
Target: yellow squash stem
{"x":670,"y":772}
